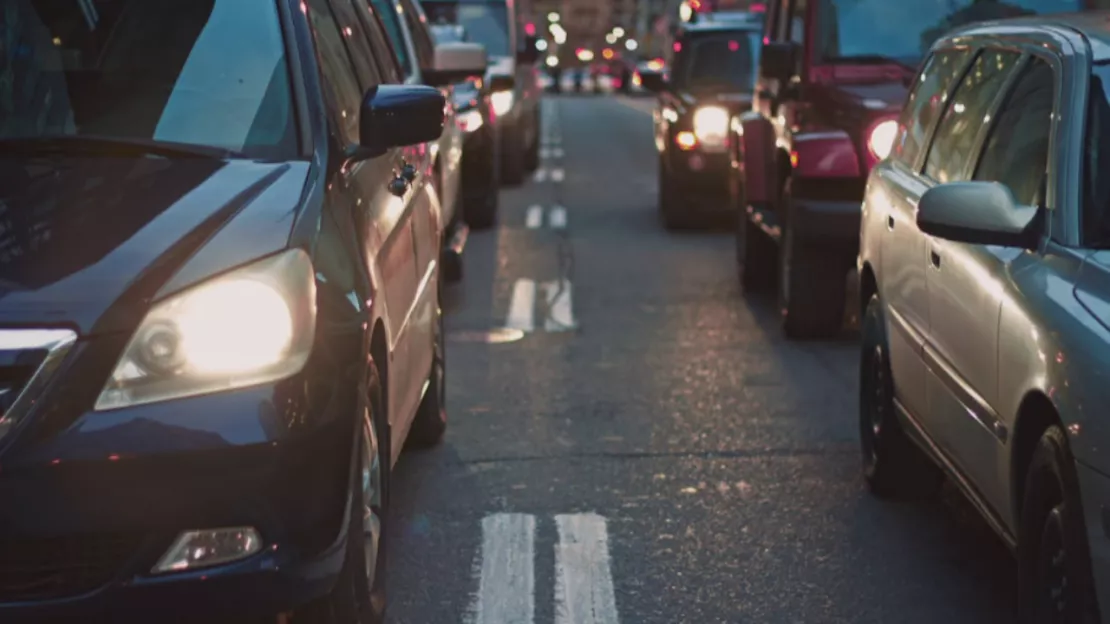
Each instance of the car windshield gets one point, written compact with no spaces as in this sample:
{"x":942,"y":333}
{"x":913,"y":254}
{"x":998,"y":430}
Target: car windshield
{"x":486,"y":23}
{"x":903,"y":31}
{"x":197,"y":72}
{"x":444,"y":33}
{"x":719,"y":60}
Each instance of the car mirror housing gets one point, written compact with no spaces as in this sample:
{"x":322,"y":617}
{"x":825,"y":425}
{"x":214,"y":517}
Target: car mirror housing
{"x":456,"y":62}
{"x":399,"y":115}
{"x":778,"y":60}
{"x":982,"y":213}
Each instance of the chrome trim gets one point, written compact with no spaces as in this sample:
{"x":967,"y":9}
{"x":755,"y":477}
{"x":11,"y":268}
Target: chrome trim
{"x":56,"y":343}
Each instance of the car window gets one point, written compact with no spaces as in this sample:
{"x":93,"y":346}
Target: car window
{"x":925,"y":102}
{"x":388,"y":68}
{"x":1016,"y":152}
{"x":718,"y":60}
{"x":418,"y":26}
{"x":486,"y":23}
{"x":387,"y":10}
{"x":797,"y":31}
{"x":1096,"y":187}
{"x":966,"y":113}
{"x":358,"y":46}
{"x":341,"y":88}
{"x":206,"y":72}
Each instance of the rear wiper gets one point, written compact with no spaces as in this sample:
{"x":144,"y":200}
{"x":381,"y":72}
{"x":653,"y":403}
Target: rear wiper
{"x":871,"y":59}
{"x":112,"y":146}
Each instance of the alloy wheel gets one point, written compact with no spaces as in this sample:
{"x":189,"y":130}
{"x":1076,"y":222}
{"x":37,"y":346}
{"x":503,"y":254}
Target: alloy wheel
{"x":373,"y":516}
{"x":874,"y":405}
{"x":1052,"y":571}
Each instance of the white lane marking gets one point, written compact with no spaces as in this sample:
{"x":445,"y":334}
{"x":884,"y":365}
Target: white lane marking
{"x":557,"y":152}
{"x":545,"y":152}
{"x":541,"y":175}
{"x":583,"y":579}
{"x":507,"y":581}
{"x":534,"y":218}
{"x":522,"y":306}
{"x":560,"y":308}
{"x":557,"y":175}
{"x":557,"y":218}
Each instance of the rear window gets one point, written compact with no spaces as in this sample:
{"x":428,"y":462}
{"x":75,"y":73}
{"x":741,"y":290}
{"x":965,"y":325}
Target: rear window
{"x":725,"y":60}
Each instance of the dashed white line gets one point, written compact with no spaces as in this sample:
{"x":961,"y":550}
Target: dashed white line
{"x":557,"y":175}
{"x":583,"y":577}
{"x":541,"y":175}
{"x":557,"y":218}
{"x":560,"y":308}
{"x":557,"y":152}
{"x":522,"y":306}
{"x":534,"y":217}
{"x":507,"y":580}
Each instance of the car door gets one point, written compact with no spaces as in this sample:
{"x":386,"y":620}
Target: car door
{"x":379,"y":215}
{"x":965,"y":281}
{"x":902,"y":272}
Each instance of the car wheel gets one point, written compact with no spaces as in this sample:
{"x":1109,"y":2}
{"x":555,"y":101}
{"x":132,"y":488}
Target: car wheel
{"x":893,"y":466}
{"x":430,"y":421}
{"x":755,"y":255}
{"x":359,"y":595}
{"x":811,"y":284}
{"x":480,"y":211}
{"x":512,"y":156}
{"x":1054,"y":568}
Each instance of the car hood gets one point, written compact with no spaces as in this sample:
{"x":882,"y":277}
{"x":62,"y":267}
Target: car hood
{"x":89,"y":241}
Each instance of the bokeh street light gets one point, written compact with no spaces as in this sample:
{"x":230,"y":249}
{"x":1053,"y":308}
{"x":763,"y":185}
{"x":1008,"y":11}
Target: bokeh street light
{"x":631,"y":45}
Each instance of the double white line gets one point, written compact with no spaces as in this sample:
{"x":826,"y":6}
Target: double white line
{"x":522,"y":306}
{"x":556,"y":217}
{"x":584,"y":591}
{"x":557,"y":174}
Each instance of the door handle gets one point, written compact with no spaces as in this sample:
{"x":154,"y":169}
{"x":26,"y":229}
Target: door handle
{"x":408,"y":172}
{"x":935,"y":258}
{"x":890,"y":222}
{"x":398,"y":186}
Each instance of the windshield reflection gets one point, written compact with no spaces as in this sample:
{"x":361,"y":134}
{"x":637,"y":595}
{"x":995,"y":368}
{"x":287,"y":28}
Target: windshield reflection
{"x":485,"y":23}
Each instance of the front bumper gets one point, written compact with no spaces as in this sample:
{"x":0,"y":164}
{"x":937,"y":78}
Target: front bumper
{"x":86,"y":513}
{"x":834,"y":222}
{"x":700,"y":178}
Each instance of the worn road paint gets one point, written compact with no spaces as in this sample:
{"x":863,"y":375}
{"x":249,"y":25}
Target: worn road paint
{"x":560,"y":310}
{"x":557,"y":218}
{"x":557,"y":152}
{"x":534,"y":217}
{"x":541,"y":175}
{"x":557,"y":175}
{"x":583,"y":577}
{"x":507,"y":578}
{"x":522,"y":306}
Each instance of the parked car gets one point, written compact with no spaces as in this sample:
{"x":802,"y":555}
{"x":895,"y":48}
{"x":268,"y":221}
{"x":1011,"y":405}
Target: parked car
{"x":418,"y":54}
{"x":825,"y":112}
{"x":481,"y":175}
{"x":220,"y":318}
{"x":985,"y":280}
{"x":513,"y":77}
{"x":713,"y":71}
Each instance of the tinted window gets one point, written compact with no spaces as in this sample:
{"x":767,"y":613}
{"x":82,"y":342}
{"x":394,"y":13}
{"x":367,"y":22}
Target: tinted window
{"x":904,"y":30}
{"x":485,"y":23}
{"x":387,"y":10}
{"x":389,"y":70}
{"x":358,"y":46}
{"x":798,"y":29}
{"x":203,"y":72}
{"x":341,"y":87}
{"x":718,"y":60}
{"x":925,"y":102}
{"x":1096,"y":192}
{"x":1016,"y":152}
{"x":956,"y":133}
{"x":418,"y":27}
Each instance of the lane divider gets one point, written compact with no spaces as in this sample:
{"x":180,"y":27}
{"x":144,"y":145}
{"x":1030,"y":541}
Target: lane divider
{"x":556,"y":306}
{"x":556,"y":217}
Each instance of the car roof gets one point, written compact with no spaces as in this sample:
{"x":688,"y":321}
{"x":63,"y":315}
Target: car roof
{"x":1092,"y":25}
{"x":704,"y":25}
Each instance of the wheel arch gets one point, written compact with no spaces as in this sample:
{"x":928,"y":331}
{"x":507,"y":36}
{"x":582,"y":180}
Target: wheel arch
{"x":379,"y":355}
{"x":1035,"y":415}
{"x":868,"y":285}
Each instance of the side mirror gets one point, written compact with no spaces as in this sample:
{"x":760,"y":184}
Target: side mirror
{"x":398,"y":115}
{"x":653,"y":81}
{"x":778,"y":60}
{"x":528,"y":54}
{"x":981,"y":213}
{"x":456,"y":62}
{"x":501,"y":83}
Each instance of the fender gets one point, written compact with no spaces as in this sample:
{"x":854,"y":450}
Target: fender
{"x":755,"y":143}
{"x":824,"y":154}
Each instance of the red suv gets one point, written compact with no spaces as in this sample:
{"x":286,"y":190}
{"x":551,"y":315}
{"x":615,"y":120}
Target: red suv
{"x":833,"y":77}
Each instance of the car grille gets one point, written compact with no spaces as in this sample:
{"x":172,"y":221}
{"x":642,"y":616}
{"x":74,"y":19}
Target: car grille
{"x":42,"y":569}
{"x":28,"y":360}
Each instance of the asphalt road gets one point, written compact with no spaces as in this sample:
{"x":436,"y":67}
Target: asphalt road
{"x":645,"y":446}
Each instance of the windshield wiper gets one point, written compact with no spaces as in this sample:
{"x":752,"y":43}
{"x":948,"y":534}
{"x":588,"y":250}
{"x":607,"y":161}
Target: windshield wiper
{"x":871,"y":59}
{"x":113,"y":146}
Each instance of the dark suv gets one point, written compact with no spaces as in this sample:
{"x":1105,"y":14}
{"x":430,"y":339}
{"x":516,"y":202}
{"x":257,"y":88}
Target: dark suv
{"x":219,"y":311}
{"x":713,"y":67}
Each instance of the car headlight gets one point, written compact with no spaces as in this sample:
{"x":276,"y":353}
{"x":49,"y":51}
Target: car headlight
{"x":881,"y":139}
{"x":502,"y":102}
{"x":249,"y":326}
{"x":470,"y":120}
{"x":711,"y":126}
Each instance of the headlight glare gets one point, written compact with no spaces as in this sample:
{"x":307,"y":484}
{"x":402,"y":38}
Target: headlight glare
{"x":502,"y":102}
{"x":253,"y":325}
{"x":711,"y":125}
{"x":470,"y":120}
{"x":881,"y":138}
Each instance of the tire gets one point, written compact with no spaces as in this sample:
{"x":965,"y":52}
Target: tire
{"x":430,"y":422}
{"x":1055,"y":584}
{"x":893,"y":466}
{"x":512,"y":156}
{"x":480,"y":211}
{"x":532,"y":154}
{"x":811,"y":284}
{"x":359,"y":595}
{"x":756,"y":255}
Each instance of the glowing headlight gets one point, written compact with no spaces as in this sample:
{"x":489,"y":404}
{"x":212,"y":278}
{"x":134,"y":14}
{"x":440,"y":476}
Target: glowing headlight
{"x":470,"y":121}
{"x":502,"y":102}
{"x":250,"y":326}
{"x":881,"y":139}
{"x":711,"y":126}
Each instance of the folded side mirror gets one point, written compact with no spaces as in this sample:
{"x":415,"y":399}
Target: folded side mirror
{"x":981,"y":213}
{"x":399,"y":115}
{"x":456,"y":62}
{"x":528,"y":52}
{"x":501,"y":83}
{"x":778,"y":59}
{"x":653,"y":81}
